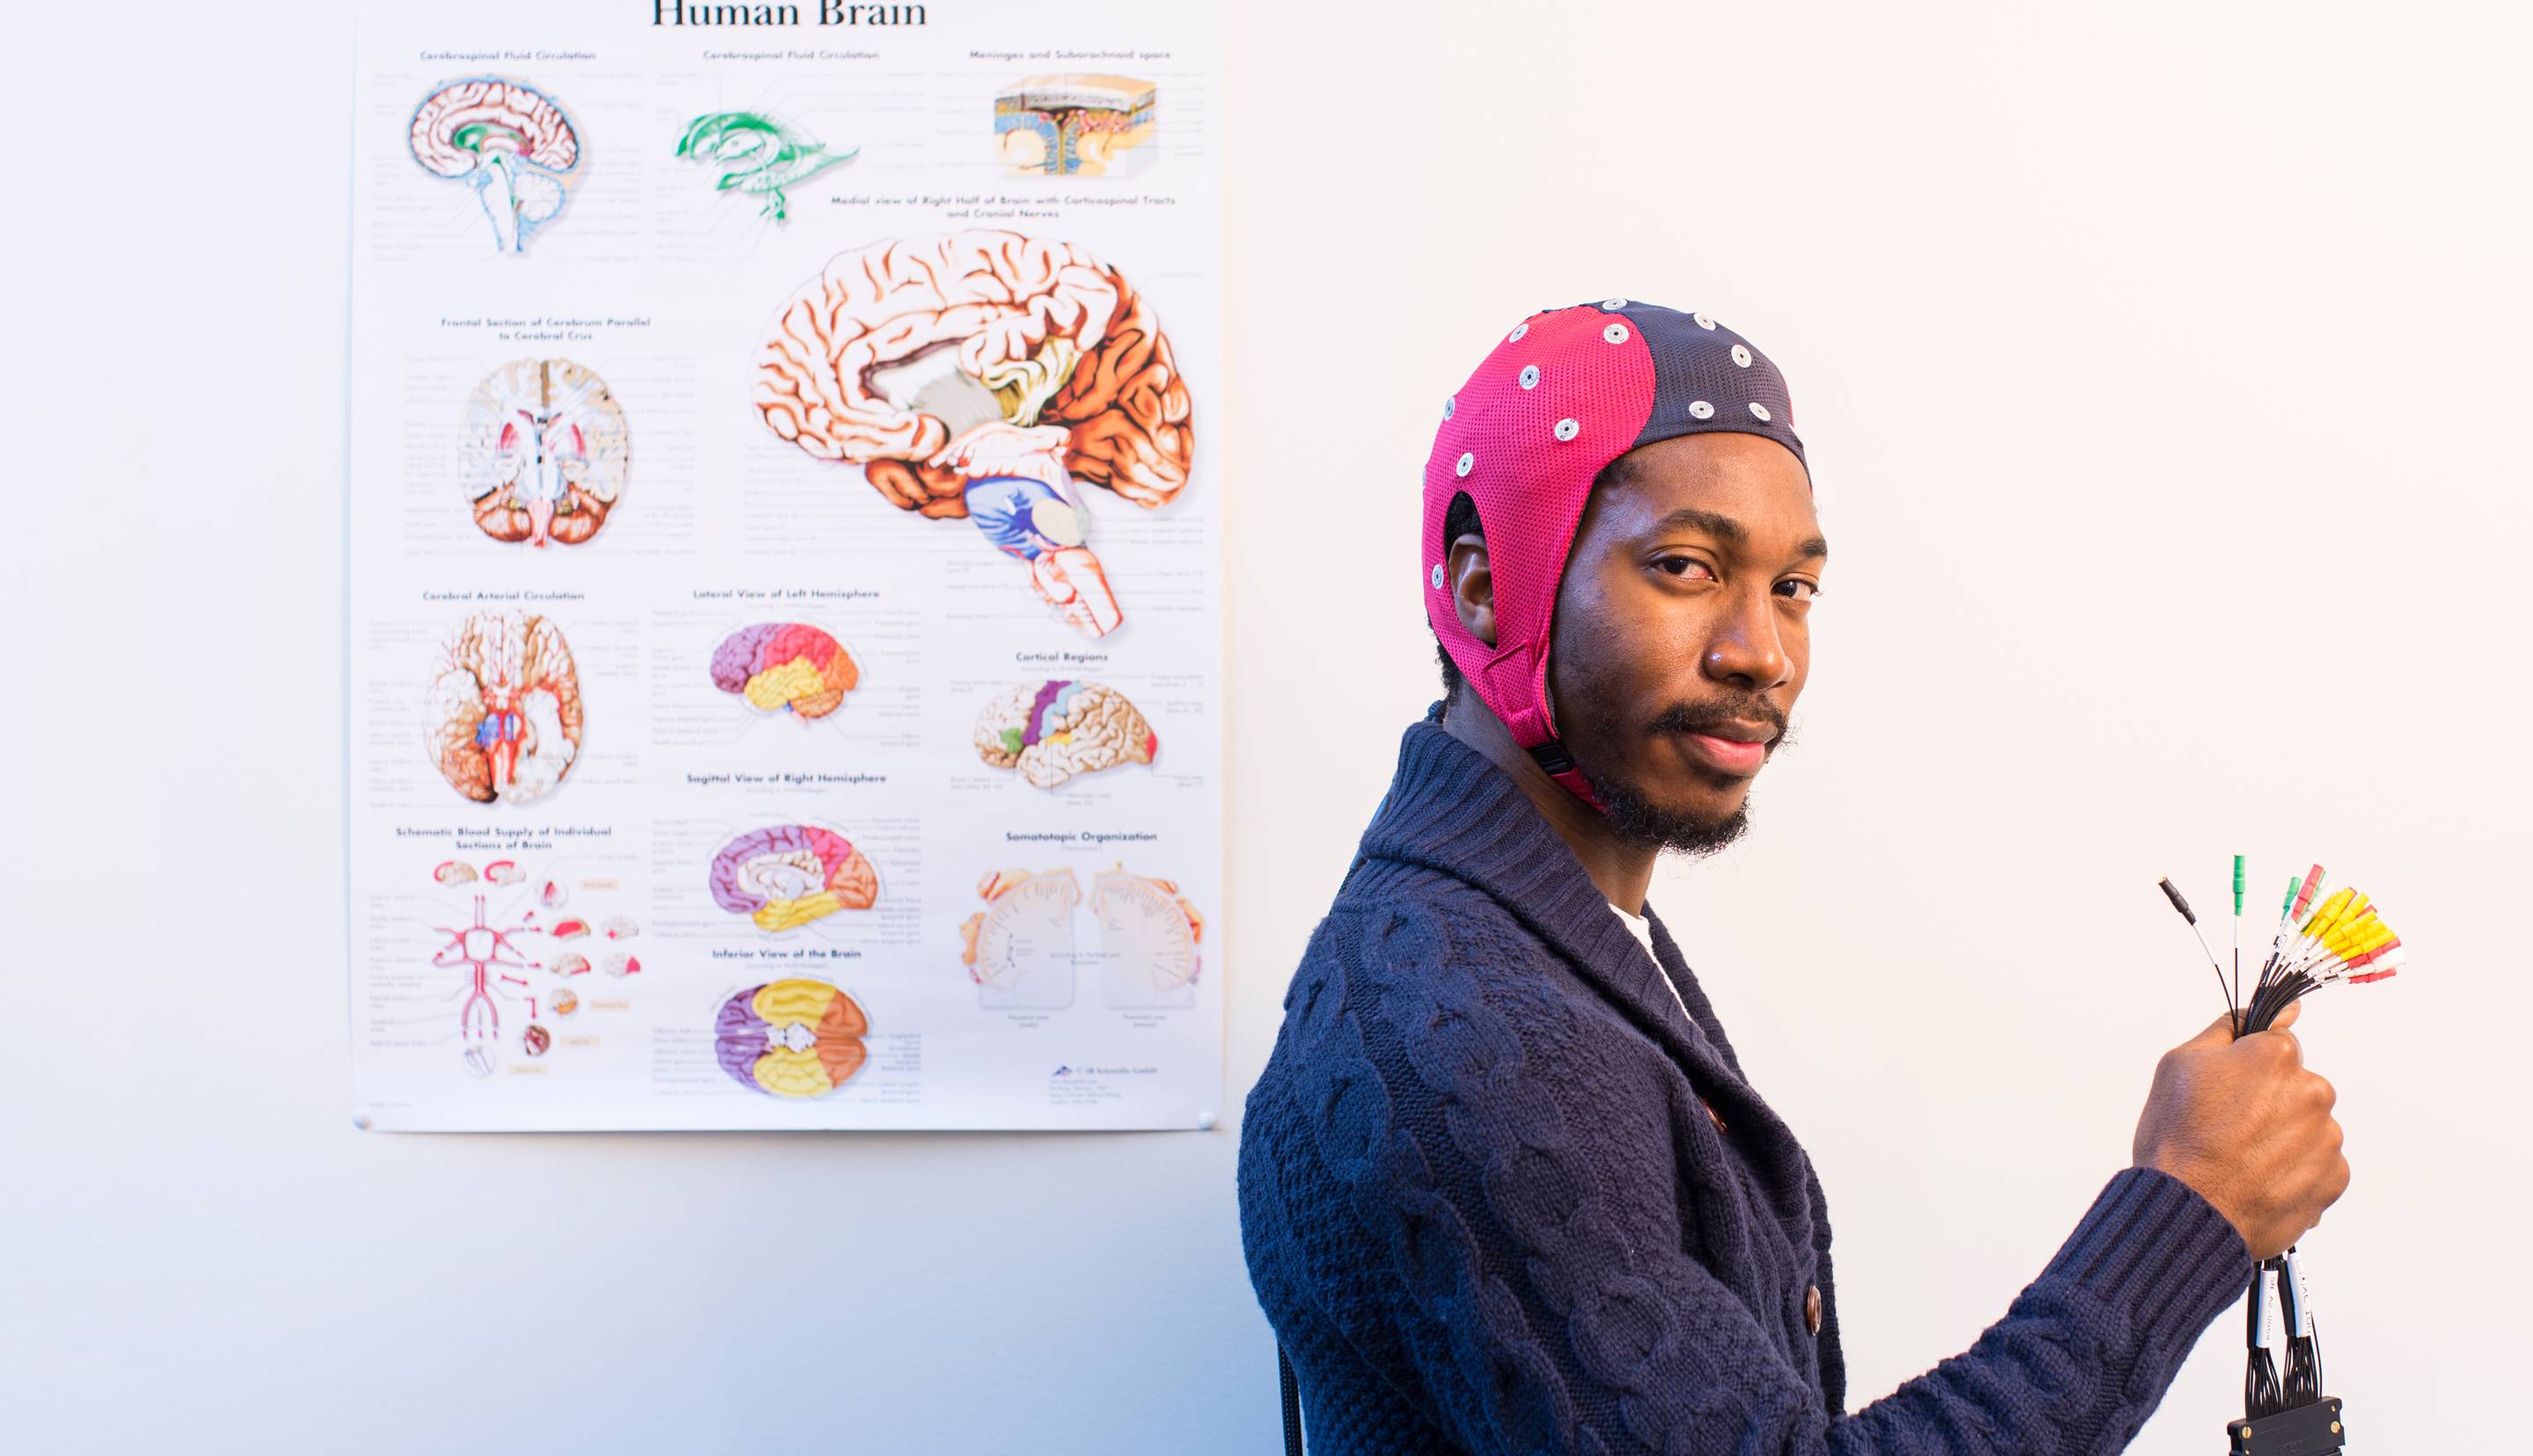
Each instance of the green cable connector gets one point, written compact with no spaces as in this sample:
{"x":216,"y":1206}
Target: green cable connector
{"x":2286,"y":906}
{"x":2238,"y":884}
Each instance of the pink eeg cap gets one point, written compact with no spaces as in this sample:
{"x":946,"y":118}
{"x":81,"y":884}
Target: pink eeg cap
{"x":1568,"y":391}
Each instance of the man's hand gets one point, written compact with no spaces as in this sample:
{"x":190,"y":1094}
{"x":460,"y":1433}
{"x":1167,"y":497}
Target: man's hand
{"x":2249,"y":1129}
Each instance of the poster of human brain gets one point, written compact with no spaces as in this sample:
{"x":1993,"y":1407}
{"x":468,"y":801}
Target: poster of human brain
{"x":786,"y":554}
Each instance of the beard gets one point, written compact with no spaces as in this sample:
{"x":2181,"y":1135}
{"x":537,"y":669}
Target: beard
{"x":1637,"y":820}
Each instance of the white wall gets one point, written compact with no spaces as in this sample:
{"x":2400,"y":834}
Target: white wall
{"x":2162,"y":368}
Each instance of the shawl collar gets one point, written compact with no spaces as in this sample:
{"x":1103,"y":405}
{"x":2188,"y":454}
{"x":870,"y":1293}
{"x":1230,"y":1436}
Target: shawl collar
{"x":1451,"y":811}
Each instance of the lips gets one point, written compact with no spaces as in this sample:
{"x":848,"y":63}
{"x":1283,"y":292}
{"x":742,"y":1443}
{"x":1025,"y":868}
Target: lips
{"x":1736,"y":749}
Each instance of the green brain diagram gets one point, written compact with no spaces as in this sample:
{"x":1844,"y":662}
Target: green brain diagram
{"x":764,"y":155}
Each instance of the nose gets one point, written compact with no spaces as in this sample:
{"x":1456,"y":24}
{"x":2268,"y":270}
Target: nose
{"x":1747,"y":650}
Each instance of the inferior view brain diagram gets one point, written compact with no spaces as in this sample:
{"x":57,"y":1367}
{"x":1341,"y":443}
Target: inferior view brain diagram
{"x":502,"y":714}
{"x":786,"y":667}
{"x":988,"y":376}
{"x":1049,"y":732}
{"x":544,"y":454}
{"x":789,"y":875}
{"x":507,"y":141}
{"x":791,"y":1038}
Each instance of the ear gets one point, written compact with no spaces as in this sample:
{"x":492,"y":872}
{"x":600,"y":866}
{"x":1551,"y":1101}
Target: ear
{"x":1473,"y":587}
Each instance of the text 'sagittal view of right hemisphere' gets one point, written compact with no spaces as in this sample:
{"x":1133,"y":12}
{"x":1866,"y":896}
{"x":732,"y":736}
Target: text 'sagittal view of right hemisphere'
{"x":786,"y":538}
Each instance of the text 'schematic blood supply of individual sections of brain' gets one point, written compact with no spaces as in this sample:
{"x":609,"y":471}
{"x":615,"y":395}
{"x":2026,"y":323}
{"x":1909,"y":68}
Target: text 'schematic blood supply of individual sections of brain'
{"x":786,"y":543}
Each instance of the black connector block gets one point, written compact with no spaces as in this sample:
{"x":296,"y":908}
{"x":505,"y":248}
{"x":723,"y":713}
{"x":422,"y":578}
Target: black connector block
{"x":2305,"y":1431}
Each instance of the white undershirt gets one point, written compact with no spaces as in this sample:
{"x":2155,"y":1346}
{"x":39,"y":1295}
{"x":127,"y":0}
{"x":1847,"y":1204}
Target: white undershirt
{"x":1643,"y":930}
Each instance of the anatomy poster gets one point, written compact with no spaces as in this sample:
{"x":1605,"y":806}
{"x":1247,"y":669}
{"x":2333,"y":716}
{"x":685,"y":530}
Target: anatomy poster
{"x":784,"y":566}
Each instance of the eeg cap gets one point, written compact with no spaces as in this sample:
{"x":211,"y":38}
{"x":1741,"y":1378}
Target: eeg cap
{"x":1566,"y":392}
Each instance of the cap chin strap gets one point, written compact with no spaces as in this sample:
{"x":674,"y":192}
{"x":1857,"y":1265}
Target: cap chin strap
{"x":1524,"y":668}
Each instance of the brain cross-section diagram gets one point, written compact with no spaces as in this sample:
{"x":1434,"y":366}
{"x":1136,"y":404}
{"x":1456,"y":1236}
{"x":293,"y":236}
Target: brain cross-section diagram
{"x":544,"y":453}
{"x":506,"y":139}
{"x":987,"y":374}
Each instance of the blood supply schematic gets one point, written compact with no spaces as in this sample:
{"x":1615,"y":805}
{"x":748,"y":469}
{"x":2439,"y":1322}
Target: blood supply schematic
{"x":786,"y":540}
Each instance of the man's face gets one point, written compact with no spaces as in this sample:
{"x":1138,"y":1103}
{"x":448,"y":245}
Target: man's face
{"x":1683,"y":635}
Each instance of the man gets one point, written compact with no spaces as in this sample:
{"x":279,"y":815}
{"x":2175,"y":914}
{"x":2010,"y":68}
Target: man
{"x":1503,"y":1186}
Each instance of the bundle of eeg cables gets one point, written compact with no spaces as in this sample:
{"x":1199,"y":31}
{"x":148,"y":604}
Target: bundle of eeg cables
{"x":2322,"y":940}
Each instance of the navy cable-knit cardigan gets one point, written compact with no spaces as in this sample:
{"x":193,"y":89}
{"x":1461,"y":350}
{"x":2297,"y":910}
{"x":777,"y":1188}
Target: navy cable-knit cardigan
{"x":1503,"y":1191}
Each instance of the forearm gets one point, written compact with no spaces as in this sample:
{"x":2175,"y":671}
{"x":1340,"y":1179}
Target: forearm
{"x":2087,"y":1350}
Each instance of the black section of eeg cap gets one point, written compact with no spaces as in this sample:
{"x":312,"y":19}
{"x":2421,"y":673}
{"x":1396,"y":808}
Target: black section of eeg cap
{"x":1694,"y":363}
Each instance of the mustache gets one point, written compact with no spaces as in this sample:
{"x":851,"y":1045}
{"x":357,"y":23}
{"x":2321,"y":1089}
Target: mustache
{"x":1706,"y":718}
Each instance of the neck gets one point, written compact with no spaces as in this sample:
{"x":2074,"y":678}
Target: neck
{"x":1623,"y":872}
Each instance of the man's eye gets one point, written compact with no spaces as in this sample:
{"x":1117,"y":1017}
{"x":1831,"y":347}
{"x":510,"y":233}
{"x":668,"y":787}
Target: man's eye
{"x":1798,"y":589}
{"x":1688,"y":567}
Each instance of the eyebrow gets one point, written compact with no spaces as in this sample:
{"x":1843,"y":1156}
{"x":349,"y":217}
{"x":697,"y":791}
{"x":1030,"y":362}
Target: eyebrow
{"x":1728,"y":531}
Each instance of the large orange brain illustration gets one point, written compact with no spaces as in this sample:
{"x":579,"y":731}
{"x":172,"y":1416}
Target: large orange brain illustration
{"x":502,"y":714}
{"x":983,"y":374}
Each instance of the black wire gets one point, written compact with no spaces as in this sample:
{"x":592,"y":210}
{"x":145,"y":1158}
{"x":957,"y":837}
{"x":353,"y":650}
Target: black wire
{"x":2260,"y":1393}
{"x":1291,"y":1391}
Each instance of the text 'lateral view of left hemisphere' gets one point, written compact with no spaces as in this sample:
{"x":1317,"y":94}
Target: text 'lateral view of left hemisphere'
{"x":786,"y":665}
{"x":1053,"y":730}
{"x":544,"y":453}
{"x":791,"y":1038}
{"x":502,"y":714}
{"x":787,"y":876}
{"x":506,"y":140}
{"x":987,"y":375}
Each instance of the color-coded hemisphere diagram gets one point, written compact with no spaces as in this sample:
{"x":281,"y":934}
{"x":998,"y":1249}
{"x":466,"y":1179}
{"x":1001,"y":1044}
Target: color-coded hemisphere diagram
{"x":1074,"y":124}
{"x":1053,"y":730}
{"x":544,"y":453}
{"x":785,"y":877}
{"x":791,"y":1038}
{"x":987,"y":375}
{"x":502,"y":716}
{"x":785,"y":665}
{"x":506,"y":140}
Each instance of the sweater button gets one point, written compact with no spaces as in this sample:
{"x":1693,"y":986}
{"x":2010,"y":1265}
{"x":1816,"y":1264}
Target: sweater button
{"x":1811,"y":1309}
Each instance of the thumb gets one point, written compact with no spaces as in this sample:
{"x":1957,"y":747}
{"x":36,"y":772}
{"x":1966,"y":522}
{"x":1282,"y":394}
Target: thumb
{"x":2219,"y":1032}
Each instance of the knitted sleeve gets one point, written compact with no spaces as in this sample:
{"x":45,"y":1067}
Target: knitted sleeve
{"x":1518,"y":1235}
